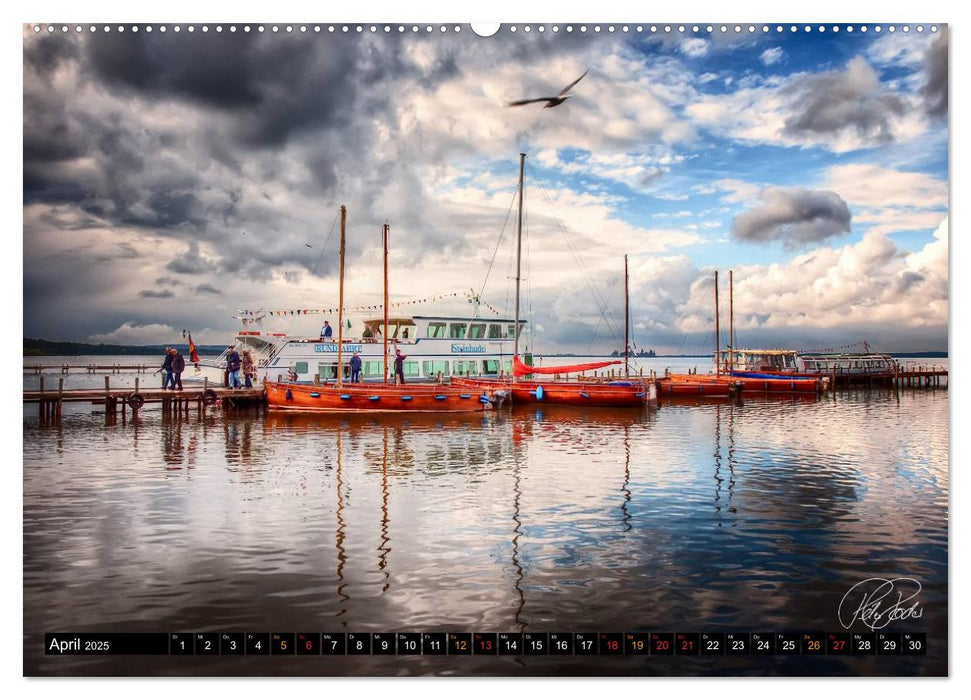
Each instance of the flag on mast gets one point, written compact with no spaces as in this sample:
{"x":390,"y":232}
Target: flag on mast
{"x":193,"y":355}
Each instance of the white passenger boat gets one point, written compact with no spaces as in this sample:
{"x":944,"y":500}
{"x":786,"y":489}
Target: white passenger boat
{"x":744,"y":362}
{"x":436,"y":348}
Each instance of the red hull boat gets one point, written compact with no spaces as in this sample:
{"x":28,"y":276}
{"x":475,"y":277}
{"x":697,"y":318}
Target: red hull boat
{"x":780,"y":385}
{"x":564,"y":392}
{"x":374,"y":398}
{"x":689,"y":385}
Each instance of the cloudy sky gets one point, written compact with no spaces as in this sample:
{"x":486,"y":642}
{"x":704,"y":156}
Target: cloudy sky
{"x":171,"y":179}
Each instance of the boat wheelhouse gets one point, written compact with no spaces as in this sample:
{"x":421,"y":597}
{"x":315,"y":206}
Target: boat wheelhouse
{"x":436,"y":348}
{"x":792,"y":362}
{"x":867,"y":364}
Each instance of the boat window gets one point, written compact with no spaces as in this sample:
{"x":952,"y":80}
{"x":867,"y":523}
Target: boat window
{"x":491,"y":366}
{"x":495,"y":330}
{"x":477,"y":330}
{"x":410,"y":367}
{"x":300,"y":367}
{"x":436,"y":330}
{"x":460,"y":367}
{"x":433,"y":367}
{"x":457,"y":330}
{"x":508,"y":365}
{"x":373,"y":368}
{"x":511,"y":333}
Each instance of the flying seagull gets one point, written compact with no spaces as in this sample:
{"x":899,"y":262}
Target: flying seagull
{"x":562,"y":97}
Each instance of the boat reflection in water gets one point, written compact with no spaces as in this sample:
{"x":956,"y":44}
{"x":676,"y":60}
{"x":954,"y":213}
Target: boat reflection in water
{"x":380,"y":460}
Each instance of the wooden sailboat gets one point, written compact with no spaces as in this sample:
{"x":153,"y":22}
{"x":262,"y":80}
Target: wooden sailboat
{"x":759,"y":382}
{"x":370,"y":398}
{"x":582,"y":391}
{"x":700,"y":385}
{"x":726,"y":379}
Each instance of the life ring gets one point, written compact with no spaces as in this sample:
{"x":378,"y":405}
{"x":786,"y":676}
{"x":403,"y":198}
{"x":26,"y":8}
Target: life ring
{"x":209,"y":397}
{"x":136,"y":401}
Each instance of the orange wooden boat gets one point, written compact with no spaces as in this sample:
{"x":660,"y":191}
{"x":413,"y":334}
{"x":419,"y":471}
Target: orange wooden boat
{"x":779,"y":384}
{"x":761,"y":384}
{"x":690,"y":385}
{"x":563,"y":392}
{"x":374,"y":398}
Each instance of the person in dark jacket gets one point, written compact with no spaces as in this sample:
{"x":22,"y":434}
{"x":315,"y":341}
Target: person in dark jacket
{"x":355,"y":369}
{"x":249,"y":369}
{"x":167,"y":369}
{"x":233,"y":363}
{"x":399,"y":366}
{"x":178,"y":367}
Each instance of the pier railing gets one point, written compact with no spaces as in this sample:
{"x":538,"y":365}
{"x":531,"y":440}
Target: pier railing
{"x":91,"y":368}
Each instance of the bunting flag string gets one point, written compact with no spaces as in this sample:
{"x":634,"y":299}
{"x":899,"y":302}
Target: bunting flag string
{"x":249,"y":313}
{"x":861,"y":344}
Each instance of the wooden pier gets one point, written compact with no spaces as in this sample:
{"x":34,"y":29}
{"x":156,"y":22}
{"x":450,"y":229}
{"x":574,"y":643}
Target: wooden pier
{"x":912,"y":375}
{"x":122,"y":401}
{"x":114,"y":368}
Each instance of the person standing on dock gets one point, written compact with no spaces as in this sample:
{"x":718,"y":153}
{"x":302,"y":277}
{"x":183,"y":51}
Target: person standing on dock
{"x":326,"y":333}
{"x":233,"y":363}
{"x":167,"y":369}
{"x":399,"y":366}
{"x":249,"y":369}
{"x":178,"y":367}
{"x":355,"y":369}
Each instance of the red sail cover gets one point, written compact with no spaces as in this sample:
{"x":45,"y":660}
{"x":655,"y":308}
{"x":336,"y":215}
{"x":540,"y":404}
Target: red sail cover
{"x":519,"y":369}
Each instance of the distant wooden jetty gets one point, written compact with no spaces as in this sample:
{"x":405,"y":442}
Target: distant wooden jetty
{"x":921,"y":376}
{"x":113,"y":368}
{"x":122,"y":401}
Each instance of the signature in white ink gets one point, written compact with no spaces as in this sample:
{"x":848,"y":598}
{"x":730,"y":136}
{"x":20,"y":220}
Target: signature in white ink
{"x":876,"y":602}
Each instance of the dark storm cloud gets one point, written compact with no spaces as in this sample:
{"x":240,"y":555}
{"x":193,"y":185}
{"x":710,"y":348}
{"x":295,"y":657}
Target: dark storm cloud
{"x":207,"y":289}
{"x":934,"y":90}
{"x":793,"y":216}
{"x":275,"y":86}
{"x":827,"y":104}
{"x":45,"y":53}
{"x":191,"y":262}
{"x":256,"y":93}
{"x":156,"y":294}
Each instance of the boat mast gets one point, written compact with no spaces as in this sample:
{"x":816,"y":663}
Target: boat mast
{"x":340,"y":307}
{"x":384,"y":333}
{"x":731,"y":320}
{"x":626,"y":321}
{"x":718,"y":367}
{"x":519,"y":249}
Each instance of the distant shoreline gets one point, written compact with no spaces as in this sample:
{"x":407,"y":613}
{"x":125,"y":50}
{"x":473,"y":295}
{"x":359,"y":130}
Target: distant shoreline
{"x":34,"y":347}
{"x":46,"y":348}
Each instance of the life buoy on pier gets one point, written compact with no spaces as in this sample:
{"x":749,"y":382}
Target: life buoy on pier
{"x":136,"y":401}
{"x":209,"y":397}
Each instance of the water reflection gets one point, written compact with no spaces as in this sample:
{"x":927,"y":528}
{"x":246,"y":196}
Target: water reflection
{"x":724,"y":515}
{"x":339,"y":537}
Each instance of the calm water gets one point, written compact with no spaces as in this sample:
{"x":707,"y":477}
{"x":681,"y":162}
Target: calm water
{"x":751,"y":516}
